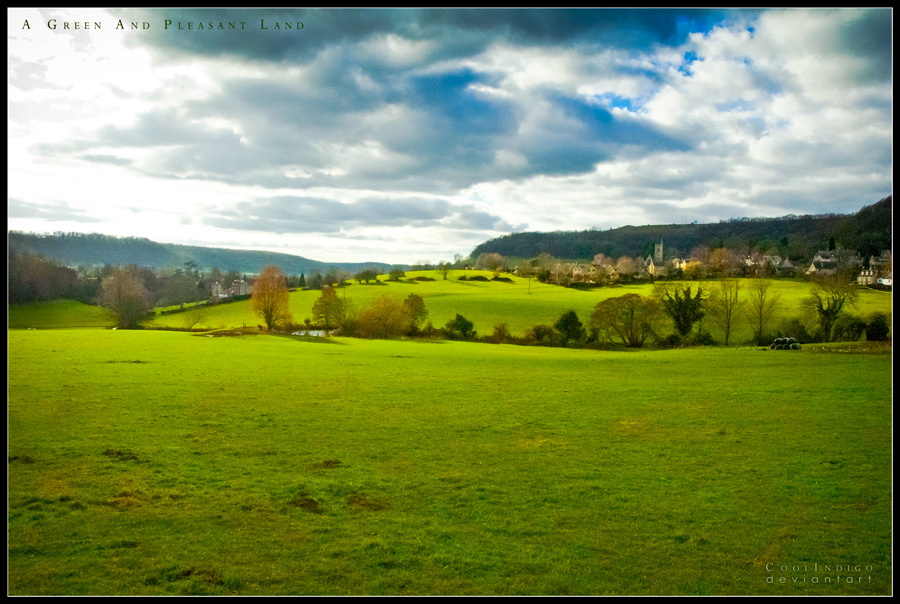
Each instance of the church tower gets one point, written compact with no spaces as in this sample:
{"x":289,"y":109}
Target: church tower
{"x":658,"y":252}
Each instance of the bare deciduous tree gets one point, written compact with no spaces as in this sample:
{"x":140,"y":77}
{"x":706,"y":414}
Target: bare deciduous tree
{"x":415,"y":312}
{"x":492,"y":262}
{"x":270,"y":297}
{"x":329,"y":308}
{"x":124,"y":294}
{"x":383,"y":318}
{"x":829,"y":297}
{"x":194,"y":317}
{"x":682,"y":308}
{"x":761,"y":304}
{"x":630,"y":318}
{"x":724,"y":304}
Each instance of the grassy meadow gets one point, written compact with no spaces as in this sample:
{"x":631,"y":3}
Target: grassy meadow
{"x":57,"y":314}
{"x":520,"y":305}
{"x":152,"y":462}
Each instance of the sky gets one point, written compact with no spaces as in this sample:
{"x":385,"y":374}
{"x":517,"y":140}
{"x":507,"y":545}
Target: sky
{"x":410,"y":136}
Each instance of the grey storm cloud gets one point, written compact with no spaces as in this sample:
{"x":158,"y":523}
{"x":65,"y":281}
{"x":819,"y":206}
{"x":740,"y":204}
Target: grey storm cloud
{"x":869,"y":37}
{"x":289,"y":214}
{"x":327,"y":119}
{"x":451,"y":142}
{"x":462,"y":31}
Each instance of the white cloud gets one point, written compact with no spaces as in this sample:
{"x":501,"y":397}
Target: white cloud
{"x":516,"y":133}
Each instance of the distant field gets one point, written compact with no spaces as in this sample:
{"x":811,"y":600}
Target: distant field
{"x":167,"y":463}
{"x":519,"y":304}
{"x":57,"y":314}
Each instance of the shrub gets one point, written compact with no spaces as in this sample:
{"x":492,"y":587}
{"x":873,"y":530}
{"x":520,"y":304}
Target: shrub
{"x":794,"y":328}
{"x":459,"y":328}
{"x":848,"y":328}
{"x":703,"y":339}
{"x":431,"y":332}
{"x":501,"y":334}
{"x":671,"y":341}
{"x":879,"y":328}
{"x":543,"y":335}
{"x":570,"y":327}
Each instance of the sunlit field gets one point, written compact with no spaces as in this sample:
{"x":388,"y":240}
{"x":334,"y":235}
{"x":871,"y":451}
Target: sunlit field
{"x":151,"y":462}
{"x":521,"y":304}
{"x":57,"y":314}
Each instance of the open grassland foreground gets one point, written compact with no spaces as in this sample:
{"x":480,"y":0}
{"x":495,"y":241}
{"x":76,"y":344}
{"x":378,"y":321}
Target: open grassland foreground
{"x":167,"y":463}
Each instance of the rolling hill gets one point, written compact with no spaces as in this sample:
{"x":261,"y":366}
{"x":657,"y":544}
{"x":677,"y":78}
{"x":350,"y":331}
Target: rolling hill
{"x":75,"y":249}
{"x":868,"y":232}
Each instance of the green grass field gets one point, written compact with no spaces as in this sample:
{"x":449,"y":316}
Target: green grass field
{"x":168,"y":463}
{"x":521,"y":305}
{"x":57,"y":314}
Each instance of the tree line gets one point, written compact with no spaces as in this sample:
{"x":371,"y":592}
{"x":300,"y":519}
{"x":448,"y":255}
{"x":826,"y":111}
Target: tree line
{"x":92,"y":249}
{"x":667,"y":317}
{"x":868,"y":231}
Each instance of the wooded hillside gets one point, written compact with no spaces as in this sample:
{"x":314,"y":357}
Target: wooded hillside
{"x":78,"y":249}
{"x":868,"y":232}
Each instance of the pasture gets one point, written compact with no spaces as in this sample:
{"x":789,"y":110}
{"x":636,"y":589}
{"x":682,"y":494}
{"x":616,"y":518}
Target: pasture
{"x":57,"y":314}
{"x":169,"y":463}
{"x":520,"y":305}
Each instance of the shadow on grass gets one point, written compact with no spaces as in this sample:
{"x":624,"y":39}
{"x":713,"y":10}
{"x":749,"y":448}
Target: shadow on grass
{"x":312,"y":339}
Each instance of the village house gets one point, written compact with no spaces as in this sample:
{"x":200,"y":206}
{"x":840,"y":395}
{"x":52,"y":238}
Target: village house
{"x":584,"y":274}
{"x":240,"y":287}
{"x":827,"y":262}
{"x":867,"y":277}
{"x":786,"y":268}
{"x":822,"y":267}
{"x":882,"y":262}
{"x":879,"y":272}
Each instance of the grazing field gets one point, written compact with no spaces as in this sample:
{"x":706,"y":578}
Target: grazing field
{"x":169,"y":463}
{"x":520,"y":304}
{"x":57,"y":314}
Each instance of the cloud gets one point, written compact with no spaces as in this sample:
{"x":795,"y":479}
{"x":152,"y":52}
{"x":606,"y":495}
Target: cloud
{"x":374,"y":124}
{"x":462,"y":32}
{"x":293,"y":214}
{"x":54,"y":210}
{"x":107,"y":159}
{"x":437,"y":132}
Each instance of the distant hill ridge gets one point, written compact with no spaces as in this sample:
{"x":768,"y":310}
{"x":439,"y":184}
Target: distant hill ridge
{"x":76,"y":249}
{"x":868,"y":232}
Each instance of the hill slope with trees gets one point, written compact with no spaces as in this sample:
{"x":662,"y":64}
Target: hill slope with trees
{"x":79,"y":249}
{"x":868,"y":232}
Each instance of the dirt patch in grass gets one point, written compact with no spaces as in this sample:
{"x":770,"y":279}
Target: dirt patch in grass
{"x":172,"y":574}
{"x":126,"y":499}
{"x":364,"y":502}
{"x":862,"y":505}
{"x":20,"y":458}
{"x":137,"y":362}
{"x":120,"y":455}
{"x":306,"y":503}
{"x":211,"y":576}
{"x":326,"y":464}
